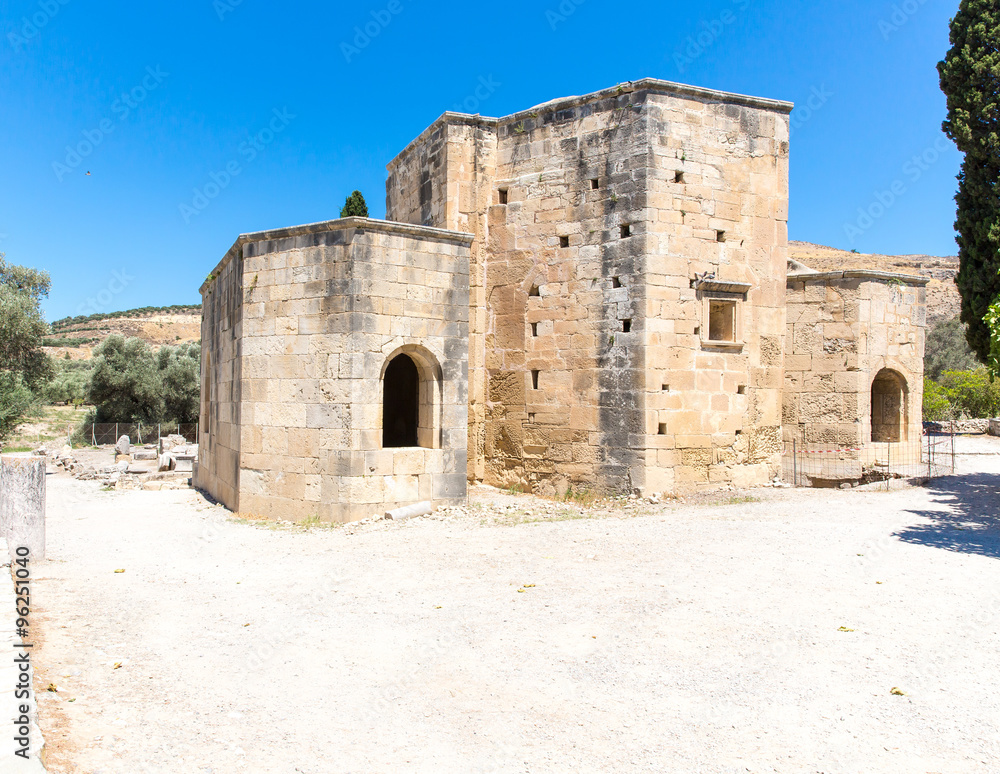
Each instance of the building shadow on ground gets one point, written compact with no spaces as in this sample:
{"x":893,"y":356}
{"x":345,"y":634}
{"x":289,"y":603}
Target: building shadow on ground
{"x":968,"y":519}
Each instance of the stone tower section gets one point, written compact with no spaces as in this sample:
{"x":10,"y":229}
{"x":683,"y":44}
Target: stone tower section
{"x":717,"y":213}
{"x":627,"y":282}
{"x":445,"y":178}
{"x":334,"y":371}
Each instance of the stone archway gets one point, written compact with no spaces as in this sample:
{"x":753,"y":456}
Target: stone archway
{"x":400,"y":403}
{"x":889,"y":407}
{"x":411,"y":399}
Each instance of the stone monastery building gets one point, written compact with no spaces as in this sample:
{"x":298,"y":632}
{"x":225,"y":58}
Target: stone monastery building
{"x":593,"y":294}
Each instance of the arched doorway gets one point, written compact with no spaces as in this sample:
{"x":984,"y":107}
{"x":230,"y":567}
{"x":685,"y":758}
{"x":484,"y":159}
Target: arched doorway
{"x":889,"y":407}
{"x":401,"y":403}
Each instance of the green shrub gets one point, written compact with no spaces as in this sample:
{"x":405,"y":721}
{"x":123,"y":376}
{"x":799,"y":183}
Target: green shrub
{"x":17,"y":402}
{"x":69,"y":386}
{"x":947,"y":349}
{"x":125,"y":385}
{"x":24,"y":366}
{"x":354,"y":206}
{"x":180,"y":373}
{"x":66,"y":322}
{"x":937,"y":407}
{"x":130,"y":383}
{"x":65,"y":342}
{"x":971,"y":394}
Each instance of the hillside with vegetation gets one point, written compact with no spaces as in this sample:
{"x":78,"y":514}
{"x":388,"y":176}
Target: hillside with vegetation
{"x":943,"y":301}
{"x":157,"y":326}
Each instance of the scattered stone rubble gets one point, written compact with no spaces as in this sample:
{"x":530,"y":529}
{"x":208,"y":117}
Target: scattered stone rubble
{"x":173,"y":457}
{"x":176,"y":454}
{"x":960,"y":426}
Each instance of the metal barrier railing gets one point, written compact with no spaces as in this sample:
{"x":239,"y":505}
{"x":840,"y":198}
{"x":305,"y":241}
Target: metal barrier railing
{"x":832,"y":465}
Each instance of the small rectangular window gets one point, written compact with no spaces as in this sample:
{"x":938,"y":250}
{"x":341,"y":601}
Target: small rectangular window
{"x":531,"y":417}
{"x":616,"y":282}
{"x":534,"y":329}
{"x":595,"y":184}
{"x":626,"y":230}
{"x":503,"y":195}
{"x":564,"y":241}
{"x":534,"y":291}
{"x":722,"y":321}
{"x":534,"y":379}
{"x":626,"y":326}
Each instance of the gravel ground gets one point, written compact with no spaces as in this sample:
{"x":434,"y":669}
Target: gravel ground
{"x":742,"y":632}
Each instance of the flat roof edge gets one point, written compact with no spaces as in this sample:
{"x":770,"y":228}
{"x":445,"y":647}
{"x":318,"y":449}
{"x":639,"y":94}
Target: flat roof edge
{"x":656,"y":85}
{"x":340,"y":224}
{"x":884,"y":276}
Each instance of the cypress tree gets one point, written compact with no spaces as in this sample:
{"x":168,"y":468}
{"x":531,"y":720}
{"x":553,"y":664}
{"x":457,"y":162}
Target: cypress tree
{"x":970,"y":78}
{"x":355,"y":206}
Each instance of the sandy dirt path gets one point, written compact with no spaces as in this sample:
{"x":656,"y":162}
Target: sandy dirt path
{"x":706,"y":637}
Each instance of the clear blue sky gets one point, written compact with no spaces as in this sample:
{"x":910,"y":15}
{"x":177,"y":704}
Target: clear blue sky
{"x":164,"y":96}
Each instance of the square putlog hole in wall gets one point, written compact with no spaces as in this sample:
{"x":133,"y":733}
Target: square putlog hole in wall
{"x":564,"y":241}
{"x":534,"y":292}
{"x":741,"y":390}
{"x":678,"y":176}
{"x":616,"y":282}
{"x":595,"y":184}
{"x":503,"y":195}
{"x":626,"y":230}
{"x":722,"y":321}
{"x":661,"y":428}
{"x":720,"y":236}
{"x":626,"y":326}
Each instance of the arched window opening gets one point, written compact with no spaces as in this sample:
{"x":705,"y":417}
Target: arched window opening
{"x":401,"y":407}
{"x":888,"y":407}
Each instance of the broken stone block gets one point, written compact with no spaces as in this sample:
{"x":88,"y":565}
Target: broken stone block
{"x":22,"y":504}
{"x":171,"y":442}
{"x":409,"y":512}
{"x":124,"y":445}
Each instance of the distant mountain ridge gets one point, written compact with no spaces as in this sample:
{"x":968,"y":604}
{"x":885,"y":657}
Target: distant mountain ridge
{"x":157,"y":326}
{"x":943,"y":300}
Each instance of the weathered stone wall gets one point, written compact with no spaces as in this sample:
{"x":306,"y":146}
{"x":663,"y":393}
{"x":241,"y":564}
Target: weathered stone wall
{"x":564,"y":395}
{"x":844,"y":328}
{"x":718,"y":194}
{"x":325,"y":309}
{"x":589,"y":247}
{"x":218,"y":469}
{"x":445,"y":178}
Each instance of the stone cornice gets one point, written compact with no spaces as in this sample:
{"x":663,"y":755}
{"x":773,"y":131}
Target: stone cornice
{"x":878,"y":276}
{"x":652,"y":85}
{"x":359,"y":225}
